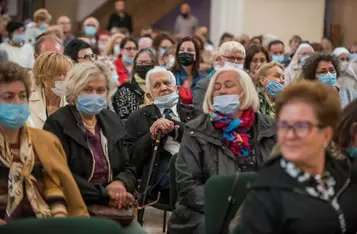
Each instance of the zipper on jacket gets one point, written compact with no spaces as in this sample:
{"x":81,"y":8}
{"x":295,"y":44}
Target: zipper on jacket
{"x":334,"y":203}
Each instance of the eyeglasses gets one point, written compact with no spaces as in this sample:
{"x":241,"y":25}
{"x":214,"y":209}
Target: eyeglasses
{"x":300,"y":129}
{"x":233,"y":59}
{"x":130,"y":48}
{"x":89,"y":57}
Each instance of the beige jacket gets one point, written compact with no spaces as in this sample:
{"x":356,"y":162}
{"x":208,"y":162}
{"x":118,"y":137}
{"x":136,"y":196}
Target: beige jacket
{"x":37,"y":103}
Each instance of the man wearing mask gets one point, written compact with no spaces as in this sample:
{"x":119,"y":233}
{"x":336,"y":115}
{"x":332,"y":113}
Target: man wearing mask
{"x":166,"y":115}
{"x":186,"y":23}
{"x":66,"y":26}
{"x":276,"y":50}
{"x":230,"y":54}
{"x":17,"y":50}
{"x":271,"y":83}
{"x":120,"y":19}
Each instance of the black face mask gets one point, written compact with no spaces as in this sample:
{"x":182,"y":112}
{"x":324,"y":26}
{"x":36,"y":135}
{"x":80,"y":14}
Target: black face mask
{"x":184,"y":15}
{"x":185,"y":59}
{"x":142,"y":70}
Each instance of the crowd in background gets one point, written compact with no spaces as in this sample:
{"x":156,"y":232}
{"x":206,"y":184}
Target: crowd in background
{"x":89,"y":107}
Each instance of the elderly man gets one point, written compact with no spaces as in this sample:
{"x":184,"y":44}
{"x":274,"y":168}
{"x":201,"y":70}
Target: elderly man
{"x":167,"y":115}
{"x":230,"y":54}
{"x":66,"y":26}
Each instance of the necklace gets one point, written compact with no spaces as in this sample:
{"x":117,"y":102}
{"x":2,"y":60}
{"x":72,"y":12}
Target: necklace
{"x":88,"y":126}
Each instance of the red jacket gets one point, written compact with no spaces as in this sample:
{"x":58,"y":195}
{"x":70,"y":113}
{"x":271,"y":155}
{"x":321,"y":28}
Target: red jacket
{"x":121,"y":70}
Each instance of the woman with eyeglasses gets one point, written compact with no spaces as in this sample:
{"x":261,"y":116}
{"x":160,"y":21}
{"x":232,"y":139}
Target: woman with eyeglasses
{"x":79,"y":51}
{"x":133,"y":94}
{"x":125,"y":62}
{"x":304,"y":189}
{"x":256,"y":57}
{"x":326,"y":69}
{"x":48,"y":89}
{"x":186,"y":68}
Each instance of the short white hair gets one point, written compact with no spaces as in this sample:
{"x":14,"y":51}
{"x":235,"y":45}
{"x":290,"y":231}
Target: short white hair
{"x":231,"y":47}
{"x":83,"y":73}
{"x":156,"y":70}
{"x":340,"y":50}
{"x":250,"y":95}
{"x":267,"y":38}
{"x":96,"y":22}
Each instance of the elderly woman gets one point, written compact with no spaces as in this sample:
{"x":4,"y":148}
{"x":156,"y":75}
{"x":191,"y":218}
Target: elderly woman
{"x":230,"y":54}
{"x":34,"y":178}
{"x":294,"y":69}
{"x":270,"y":84}
{"x":133,"y":94}
{"x":92,"y":138}
{"x":304,"y":189}
{"x":48,"y":90}
{"x":325,"y":68}
{"x":348,"y":76}
{"x":346,"y":135}
{"x":186,"y":68}
{"x":230,"y":136}
{"x":257,"y":56}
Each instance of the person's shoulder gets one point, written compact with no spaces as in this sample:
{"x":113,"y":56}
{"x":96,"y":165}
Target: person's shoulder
{"x":41,"y":135}
{"x":204,"y":82}
{"x":28,"y":47}
{"x":265,"y":120}
{"x":60,"y":115}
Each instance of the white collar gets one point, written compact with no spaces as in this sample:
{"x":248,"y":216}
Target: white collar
{"x":173,"y":108}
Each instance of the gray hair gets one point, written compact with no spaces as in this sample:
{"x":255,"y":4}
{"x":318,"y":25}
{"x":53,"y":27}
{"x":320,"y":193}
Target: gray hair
{"x":83,"y":73}
{"x":232,"y":47}
{"x":156,"y":70}
{"x":251,"y":99}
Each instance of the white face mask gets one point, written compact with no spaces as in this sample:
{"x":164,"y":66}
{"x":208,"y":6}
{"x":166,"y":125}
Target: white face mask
{"x":233,"y":65}
{"x":60,"y":88}
{"x":344,"y":66}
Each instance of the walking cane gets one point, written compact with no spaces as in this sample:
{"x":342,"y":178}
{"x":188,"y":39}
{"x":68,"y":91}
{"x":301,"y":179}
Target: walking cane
{"x":153,"y":166}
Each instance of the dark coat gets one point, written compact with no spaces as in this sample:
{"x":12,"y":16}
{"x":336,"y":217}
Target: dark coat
{"x":65,"y":126}
{"x":203,"y":153}
{"x":279,"y":204}
{"x":138,"y":139}
{"x":116,"y":20}
{"x":199,"y":94}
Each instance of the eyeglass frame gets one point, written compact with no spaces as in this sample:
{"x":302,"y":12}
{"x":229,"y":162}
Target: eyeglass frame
{"x":91,"y":57}
{"x":293,"y":127}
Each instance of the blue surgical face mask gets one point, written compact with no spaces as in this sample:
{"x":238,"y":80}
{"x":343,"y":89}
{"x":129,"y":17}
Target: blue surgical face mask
{"x":167,"y":101}
{"x":277,"y":58}
{"x":13,"y":116}
{"x":91,"y":104}
{"x":226,"y":104}
{"x":18,"y":38}
{"x":162,"y":51}
{"x":127,"y":59}
{"x":303,"y":59}
{"x":353,"y":56}
{"x":90,"y":30}
{"x":116,"y":50}
{"x":352,"y":151}
{"x":43,"y":27}
{"x":59,"y":89}
{"x":329,"y":78}
{"x":115,"y":78}
{"x":274,"y":88}
{"x":101,"y":47}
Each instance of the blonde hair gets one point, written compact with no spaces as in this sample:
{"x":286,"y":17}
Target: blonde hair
{"x":83,"y":73}
{"x":109,"y":48}
{"x":232,"y":47}
{"x":96,"y":22}
{"x":42,"y":14}
{"x":250,"y":95}
{"x":263,"y":71}
{"x":49,"y":65}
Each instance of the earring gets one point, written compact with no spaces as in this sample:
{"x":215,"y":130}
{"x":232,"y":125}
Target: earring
{"x":325,"y":146}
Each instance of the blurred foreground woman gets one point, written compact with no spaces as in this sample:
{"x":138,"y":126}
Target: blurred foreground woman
{"x":34,"y":178}
{"x":305,"y":189}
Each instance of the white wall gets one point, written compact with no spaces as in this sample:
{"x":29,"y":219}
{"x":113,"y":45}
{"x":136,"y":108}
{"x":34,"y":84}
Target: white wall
{"x":282,"y":18}
{"x":85,"y":7}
